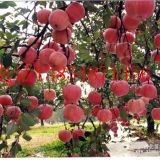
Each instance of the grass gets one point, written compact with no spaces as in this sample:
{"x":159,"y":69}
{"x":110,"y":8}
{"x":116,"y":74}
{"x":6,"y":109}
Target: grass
{"x":44,"y":142}
{"x":54,"y":149}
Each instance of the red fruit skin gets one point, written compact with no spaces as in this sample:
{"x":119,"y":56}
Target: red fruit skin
{"x":115,"y":113}
{"x":129,"y":23}
{"x":5,"y":100}
{"x":145,"y":100}
{"x":95,"y":110}
{"x":96,"y":79}
{"x":155,"y":113}
{"x":94,"y":98}
{"x":136,"y":106}
{"x":157,"y":41}
{"x":30,"y":41}
{"x":70,"y":54}
{"x":44,"y":55}
{"x":12,"y":82}
{"x":62,"y":37}
{"x":143,"y":113}
{"x":49,"y":94}
{"x":46,"y":111}
{"x":72,"y":93}
{"x":34,"y":102}
{"x":73,"y":113}
{"x":149,"y":91}
{"x":43,"y":16}
{"x":128,"y":37}
{"x":59,"y":20}
{"x":140,"y":9}
{"x":75,"y":11}
{"x":110,"y":48}
{"x":119,"y":88}
{"x":26,"y":77}
{"x":1,"y":110}
{"x":124,"y":53}
{"x":114,"y":22}
{"x":29,"y":57}
{"x":13,"y":112}
{"x":58,"y":60}
{"x":52,"y":45}
{"x":155,"y":56}
{"x":110,"y":35}
{"x":77,"y":133}
{"x":5,"y":154}
{"x":104,"y":115}
{"x":41,"y":68}
{"x":65,"y":136}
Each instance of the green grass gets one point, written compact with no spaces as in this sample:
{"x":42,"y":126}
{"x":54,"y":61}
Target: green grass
{"x":45,"y":142}
{"x":55,"y":149}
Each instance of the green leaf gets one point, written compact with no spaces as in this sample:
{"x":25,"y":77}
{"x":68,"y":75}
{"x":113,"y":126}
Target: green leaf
{"x":7,"y":60}
{"x":24,"y":10}
{"x":3,"y":145}
{"x":90,"y":6}
{"x":25,"y":102}
{"x":11,"y":128}
{"x":27,"y":119}
{"x":43,"y":3}
{"x":6,"y":4}
{"x":35,"y":111}
{"x":27,"y":137}
{"x":123,"y":114}
{"x":16,"y":147}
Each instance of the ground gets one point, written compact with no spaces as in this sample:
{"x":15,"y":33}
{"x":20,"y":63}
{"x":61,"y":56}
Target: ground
{"x":45,"y":142}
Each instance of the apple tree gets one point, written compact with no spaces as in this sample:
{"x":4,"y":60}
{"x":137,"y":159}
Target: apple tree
{"x":47,"y":48}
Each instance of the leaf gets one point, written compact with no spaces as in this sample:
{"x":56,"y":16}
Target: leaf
{"x":27,"y":119}
{"x":35,"y":111}
{"x":105,"y":148}
{"x":130,"y":117}
{"x":2,"y":42}
{"x":6,"y":4}
{"x":87,"y":134}
{"x":24,"y":10}
{"x":123,"y":114}
{"x":15,"y":28}
{"x":3,"y":145}
{"x":34,"y":18}
{"x":43,"y":3}
{"x":82,"y":139}
{"x":27,"y":137}
{"x":90,"y":6}
{"x":11,"y":128}
{"x":16,"y":147}
{"x":25,"y":102}
{"x":7,"y":60}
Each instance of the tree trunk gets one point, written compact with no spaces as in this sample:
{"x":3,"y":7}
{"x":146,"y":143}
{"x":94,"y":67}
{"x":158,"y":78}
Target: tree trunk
{"x":42,"y":123}
{"x":150,"y":124}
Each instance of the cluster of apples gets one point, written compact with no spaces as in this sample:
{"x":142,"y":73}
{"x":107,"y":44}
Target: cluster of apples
{"x":120,"y":35}
{"x":66,"y":135}
{"x":72,"y":112}
{"x":13,"y":112}
{"x":51,"y":54}
{"x":145,"y":92}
